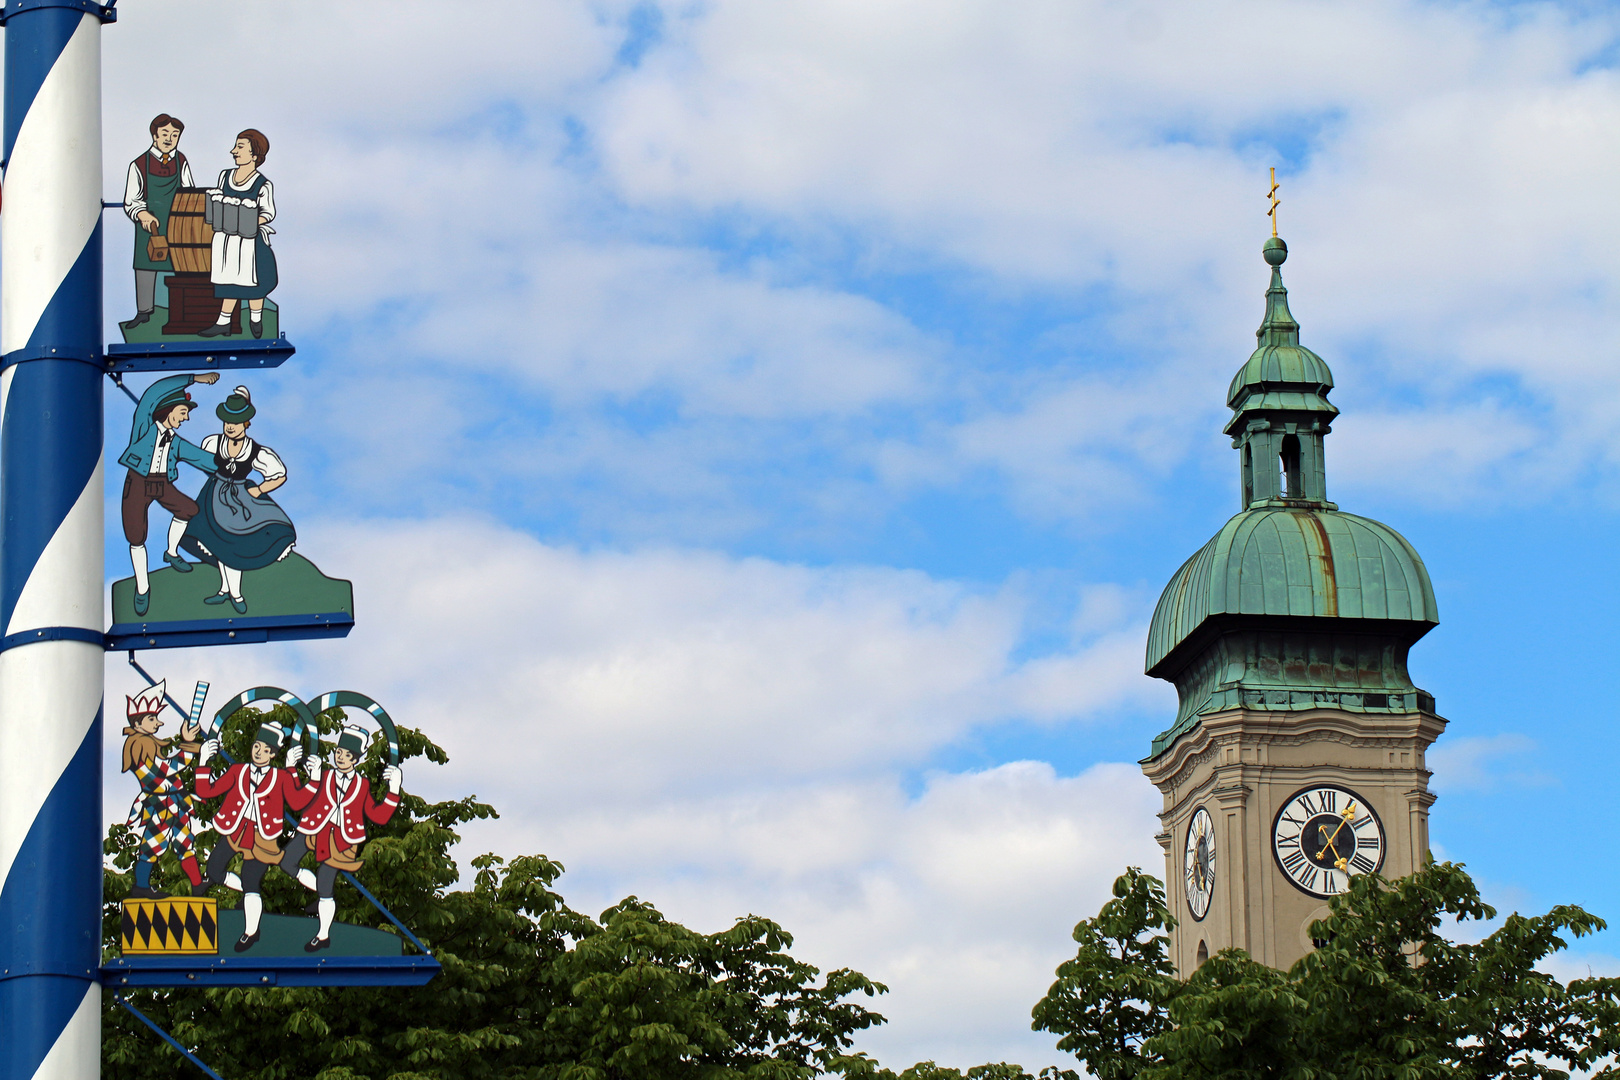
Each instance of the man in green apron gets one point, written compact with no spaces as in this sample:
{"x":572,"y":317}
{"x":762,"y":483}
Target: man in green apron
{"x":149,"y":190}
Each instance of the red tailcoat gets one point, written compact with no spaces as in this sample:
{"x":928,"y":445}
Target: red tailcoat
{"x":275,"y":794}
{"x":329,"y":819}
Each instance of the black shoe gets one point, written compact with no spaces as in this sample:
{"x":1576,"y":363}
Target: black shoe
{"x":257,"y":326}
{"x":316,"y":944}
{"x":312,"y":908}
{"x":215,"y":331}
{"x":202,"y":889}
{"x":141,"y":893}
{"x":246,"y":941}
{"x":140,"y":317}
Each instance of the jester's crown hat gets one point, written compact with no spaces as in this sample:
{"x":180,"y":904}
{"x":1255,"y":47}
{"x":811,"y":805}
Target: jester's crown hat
{"x":146,"y":702}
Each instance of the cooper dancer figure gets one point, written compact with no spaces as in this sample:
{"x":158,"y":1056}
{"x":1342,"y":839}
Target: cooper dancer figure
{"x":149,"y":190}
{"x":162,"y":811}
{"x":336,"y":820}
{"x":252,"y":817}
{"x":153,"y":458}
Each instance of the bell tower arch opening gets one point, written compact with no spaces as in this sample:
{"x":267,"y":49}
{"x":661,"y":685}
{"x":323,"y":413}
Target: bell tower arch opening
{"x":1289,"y":480}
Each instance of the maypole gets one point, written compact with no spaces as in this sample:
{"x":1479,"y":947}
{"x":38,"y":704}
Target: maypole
{"x":51,"y":645}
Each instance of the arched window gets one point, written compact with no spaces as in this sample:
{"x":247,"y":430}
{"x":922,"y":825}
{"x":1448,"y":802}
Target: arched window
{"x":1248,"y":475}
{"x":1203,"y":953}
{"x":1291,"y":484}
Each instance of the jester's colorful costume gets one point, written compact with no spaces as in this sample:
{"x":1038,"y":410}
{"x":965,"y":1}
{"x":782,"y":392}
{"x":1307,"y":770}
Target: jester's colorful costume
{"x":162,"y":811}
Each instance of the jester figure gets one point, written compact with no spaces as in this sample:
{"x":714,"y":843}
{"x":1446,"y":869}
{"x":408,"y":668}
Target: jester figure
{"x":257,"y":795}
{"x":162,"y":811}
{"x":334,"y":823}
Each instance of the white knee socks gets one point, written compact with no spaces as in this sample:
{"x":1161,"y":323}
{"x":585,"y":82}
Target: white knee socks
{"x":177,"y":529}
{"x":326,"y":908}
{"x":137,"y":559}
{"x":306,"y":878}
{"x":252,"y":909}
{"x":230,"y":578}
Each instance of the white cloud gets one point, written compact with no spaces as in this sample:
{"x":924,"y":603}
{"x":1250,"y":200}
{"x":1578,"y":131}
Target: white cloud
{"x":1485,"y":763}
{"x":707,"y":236}
{"x":960,"y":900}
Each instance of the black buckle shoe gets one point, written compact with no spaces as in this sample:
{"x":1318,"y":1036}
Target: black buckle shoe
{"x":142,"y":893}
{"x":316,"y":944}
{"x":216,"y":331}
{"x":246,"y":941}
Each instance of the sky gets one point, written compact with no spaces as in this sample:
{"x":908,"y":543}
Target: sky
{"x":758,"y":433}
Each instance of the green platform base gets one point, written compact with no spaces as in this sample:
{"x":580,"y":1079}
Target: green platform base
{"x":285,"y":935}
{"x":293,"y":586}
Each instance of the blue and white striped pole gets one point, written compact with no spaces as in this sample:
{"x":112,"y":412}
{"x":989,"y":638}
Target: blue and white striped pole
{"x":50,"y":542}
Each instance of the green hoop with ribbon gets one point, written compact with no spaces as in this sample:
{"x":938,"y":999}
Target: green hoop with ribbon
{"x":303,"y":728}
{"x":334,"y":699}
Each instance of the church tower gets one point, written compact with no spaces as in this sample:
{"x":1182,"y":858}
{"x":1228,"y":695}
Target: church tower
{"x":1296,"y":756}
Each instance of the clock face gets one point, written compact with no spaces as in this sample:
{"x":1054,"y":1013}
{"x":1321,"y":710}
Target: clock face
{"x":1323,"y":835}
{"x":1199,"y":863}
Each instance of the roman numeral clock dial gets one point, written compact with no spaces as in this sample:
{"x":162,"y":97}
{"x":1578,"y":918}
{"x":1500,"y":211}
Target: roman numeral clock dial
{"x":1323,"y":835}
{"x":1199,"y":863}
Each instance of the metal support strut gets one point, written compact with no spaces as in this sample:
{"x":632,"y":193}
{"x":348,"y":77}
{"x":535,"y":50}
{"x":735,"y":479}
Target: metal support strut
{"x":165,"y":1036}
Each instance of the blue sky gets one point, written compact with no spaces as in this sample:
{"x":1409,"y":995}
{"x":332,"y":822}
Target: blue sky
{"x":758,"y":434}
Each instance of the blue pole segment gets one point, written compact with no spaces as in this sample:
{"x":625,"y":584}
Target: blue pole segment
{"x":50,"y":542}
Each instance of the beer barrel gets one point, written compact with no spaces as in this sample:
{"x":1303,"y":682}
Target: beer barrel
{"x":191,"y":238}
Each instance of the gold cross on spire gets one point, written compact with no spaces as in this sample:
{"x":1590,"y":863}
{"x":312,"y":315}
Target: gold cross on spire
{"x":1275,"y":202}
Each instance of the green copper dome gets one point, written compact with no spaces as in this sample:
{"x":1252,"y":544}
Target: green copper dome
{"x":1293,"y":604}
{"x":1322,"y":564}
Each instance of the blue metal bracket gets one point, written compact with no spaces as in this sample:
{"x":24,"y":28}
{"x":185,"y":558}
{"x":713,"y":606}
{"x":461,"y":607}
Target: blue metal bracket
{"x":241,"y":630}
{"x":269,"y":971}
{"x":50,"y":352}
{"x":52,"y":633}
{"x":165,"y":1036}
{"x":118,"y":381}
{"x":197,"y":355}
{"x":104,"y":12}
{"x":389,"y":915}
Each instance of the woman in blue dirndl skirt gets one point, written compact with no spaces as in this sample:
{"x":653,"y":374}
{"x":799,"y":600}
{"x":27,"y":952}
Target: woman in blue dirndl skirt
{"x":238,"y":526}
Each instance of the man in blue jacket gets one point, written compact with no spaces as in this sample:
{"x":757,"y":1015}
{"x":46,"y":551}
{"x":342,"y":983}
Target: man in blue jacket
{"x":153,"y":459}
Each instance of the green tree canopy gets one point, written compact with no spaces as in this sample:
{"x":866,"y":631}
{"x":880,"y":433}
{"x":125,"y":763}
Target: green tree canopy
{"x":1386,"y":996}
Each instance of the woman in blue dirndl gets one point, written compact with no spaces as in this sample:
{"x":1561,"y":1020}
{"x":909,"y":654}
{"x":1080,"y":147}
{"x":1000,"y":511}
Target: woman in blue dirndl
{"x":238,"y":526}
{"x":240,"y":209}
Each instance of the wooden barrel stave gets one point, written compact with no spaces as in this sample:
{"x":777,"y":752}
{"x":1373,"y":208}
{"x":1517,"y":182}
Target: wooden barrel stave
{"x":191,"y":239}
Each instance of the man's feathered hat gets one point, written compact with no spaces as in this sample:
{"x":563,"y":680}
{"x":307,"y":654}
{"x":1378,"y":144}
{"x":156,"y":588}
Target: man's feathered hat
{"x":146,"y":702}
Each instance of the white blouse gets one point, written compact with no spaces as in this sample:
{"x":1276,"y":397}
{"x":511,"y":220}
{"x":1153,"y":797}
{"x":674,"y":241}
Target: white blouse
{"x":264,"y":459}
